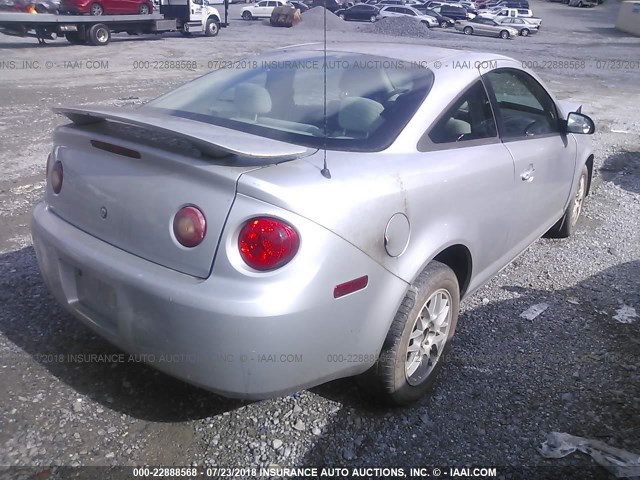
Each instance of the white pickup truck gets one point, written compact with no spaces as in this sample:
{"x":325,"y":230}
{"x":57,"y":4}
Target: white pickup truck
{"x":502,"y":12}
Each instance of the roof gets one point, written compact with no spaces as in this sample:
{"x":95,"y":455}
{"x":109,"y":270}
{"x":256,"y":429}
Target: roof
{"x":407,"y":52}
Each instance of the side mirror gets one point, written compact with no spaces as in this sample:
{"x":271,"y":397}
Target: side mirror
{"x":580,"y":123}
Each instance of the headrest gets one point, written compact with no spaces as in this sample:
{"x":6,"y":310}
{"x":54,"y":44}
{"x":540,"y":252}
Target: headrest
{"x":251,"y":98}
{"x":359,"y":114}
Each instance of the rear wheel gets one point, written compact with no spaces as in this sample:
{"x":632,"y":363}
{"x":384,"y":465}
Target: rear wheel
{"x":372,"y":18}
{"x":419,"y":336}
{"x":144,"y":9}
{"x":247,"y":16}
{"x":524,"y":32}
{"x":504,"y":35}
{"x":566,"y":226}
{"x":468,"y":31}
{"x":74,"y":38}
{"x":212,"y":28}
{"x":99,"y":35}
{"x":96,"y":9}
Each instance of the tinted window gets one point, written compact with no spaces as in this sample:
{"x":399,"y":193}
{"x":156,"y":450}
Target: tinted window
{"x":470,"y":118}
{"x":525,"y":108}
{"x":369,"y":99}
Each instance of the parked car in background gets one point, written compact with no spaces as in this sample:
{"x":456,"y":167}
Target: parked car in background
{"x":444,"y":22}
{"x":331,"y":5}
{"x":501,"y":12}
{"x":29,"y":6}
{"x":583,"y":3}
{"x":405,"y":11}
{"x":303,"y":7}
{"x":361,"y":12}
{"x":523,"y":25}
{"x":106,"y":7}
{"x":254,"y":264}
{"x":261,"y":9}
{"x":453,"y":12}
{"x":486,"y":26}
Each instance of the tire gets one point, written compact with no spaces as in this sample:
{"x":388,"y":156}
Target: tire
{"x":212,"y":28}
{"x":247,"y":16}
{"x":74,"y":38}
{"x":99,"y":35}
{"x":444,"y":25}
{"x":372,"y":18}
{"x":468,"y":31}
{"x":579,"y":4}
{"x":402,"y":375}
{"x":96,"y":9}
{"x":144,"y":9}
{"x":342,"y":16}
{"x":504,"y":35}
{"x":524,"y":32}
{"x":566,"y":226}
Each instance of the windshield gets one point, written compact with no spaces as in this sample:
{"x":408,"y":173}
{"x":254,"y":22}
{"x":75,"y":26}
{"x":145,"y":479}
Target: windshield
{"x":369,"y":99}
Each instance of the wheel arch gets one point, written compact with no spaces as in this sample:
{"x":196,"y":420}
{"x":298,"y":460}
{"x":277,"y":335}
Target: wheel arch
{"x":214,"y":16}
{"x":458,"y":258}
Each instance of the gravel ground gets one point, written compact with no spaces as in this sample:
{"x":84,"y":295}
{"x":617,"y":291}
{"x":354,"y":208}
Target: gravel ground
{"x":508,"y":381}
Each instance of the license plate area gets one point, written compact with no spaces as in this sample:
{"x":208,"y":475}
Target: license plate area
{"x":97,"y":298}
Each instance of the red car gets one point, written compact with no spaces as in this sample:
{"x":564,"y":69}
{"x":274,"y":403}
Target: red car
{"x":106,"y":7}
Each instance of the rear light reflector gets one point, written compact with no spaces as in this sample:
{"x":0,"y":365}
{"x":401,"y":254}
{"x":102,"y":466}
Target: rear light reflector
{"x":189,"y":226}
{"x":267,"y":243}
{"x":57,"y":174}
{"x":350,"y":286}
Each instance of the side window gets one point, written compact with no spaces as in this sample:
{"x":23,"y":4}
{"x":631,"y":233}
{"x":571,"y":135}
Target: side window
{"x":525,"y":108}
{"x":470,"y":118}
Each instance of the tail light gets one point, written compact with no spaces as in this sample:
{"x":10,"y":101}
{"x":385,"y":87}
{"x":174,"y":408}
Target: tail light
{"x":57,"y":175}
{"x":267,"y":243}
{"x":189,"y":226}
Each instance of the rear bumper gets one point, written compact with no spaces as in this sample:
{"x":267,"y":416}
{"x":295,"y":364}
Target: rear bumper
{"x":245,"y":340}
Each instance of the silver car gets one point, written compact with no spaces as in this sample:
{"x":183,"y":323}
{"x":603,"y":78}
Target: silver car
{"x":486,"y":26}
{"x":407,"y":11}
{"x":523,"y":25}
{"x":258,"y":231}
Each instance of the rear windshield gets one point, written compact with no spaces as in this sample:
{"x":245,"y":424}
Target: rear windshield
{"x":362,"y":106}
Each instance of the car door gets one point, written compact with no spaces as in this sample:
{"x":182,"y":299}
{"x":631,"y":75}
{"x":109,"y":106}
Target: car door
{"x":259,"y":8}
{"x":544,"y":157}
{"x":463,"y":182}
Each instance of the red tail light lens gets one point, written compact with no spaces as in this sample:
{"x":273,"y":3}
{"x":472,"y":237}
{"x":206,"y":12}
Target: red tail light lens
{"x":189,"y":226}
{"x":267,"y":243}
{"x":57,"y":175}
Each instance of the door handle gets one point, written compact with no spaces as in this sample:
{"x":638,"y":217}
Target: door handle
{"x":527,"y":175}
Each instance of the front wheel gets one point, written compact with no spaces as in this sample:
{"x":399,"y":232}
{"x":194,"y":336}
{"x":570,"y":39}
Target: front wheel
{"x":212,"y":28}
{"x":144,"y":9}
{"x":247,"y":16}
{"x":566,"y":226}
{"x":341,"y":16}
{"x":419,"y":336}
{"x":468,"y":31}
{"x":504,"y":35}
{"x":96,"y":9}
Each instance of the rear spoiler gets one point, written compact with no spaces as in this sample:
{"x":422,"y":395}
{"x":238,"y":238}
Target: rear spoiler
{"x":212,"y":140}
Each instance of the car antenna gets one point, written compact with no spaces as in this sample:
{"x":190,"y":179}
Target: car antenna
{"x":325,"y":169}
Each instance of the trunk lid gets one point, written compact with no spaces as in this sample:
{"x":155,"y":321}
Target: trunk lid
{"x":128,"y":195}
